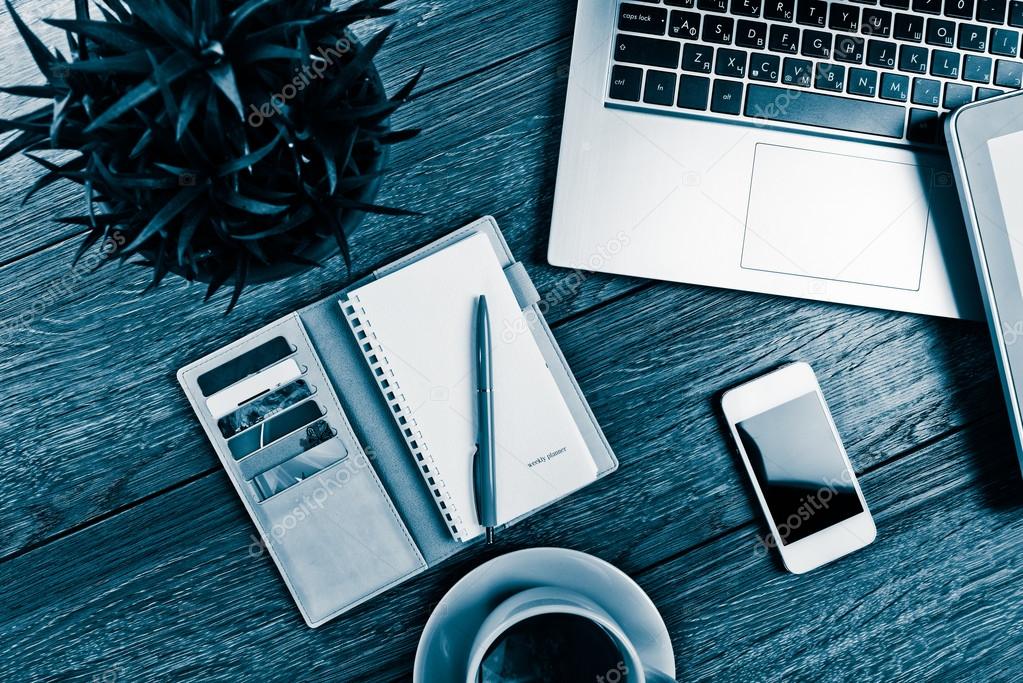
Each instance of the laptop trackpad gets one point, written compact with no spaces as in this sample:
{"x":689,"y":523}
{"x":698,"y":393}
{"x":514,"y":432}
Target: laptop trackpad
{"x":836,"y":217}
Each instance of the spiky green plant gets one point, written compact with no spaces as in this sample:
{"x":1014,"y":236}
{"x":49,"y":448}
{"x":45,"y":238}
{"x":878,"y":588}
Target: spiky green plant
{"x":214,"y":137}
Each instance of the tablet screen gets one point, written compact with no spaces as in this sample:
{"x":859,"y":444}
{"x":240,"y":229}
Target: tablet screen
{"x":1006,"y":153}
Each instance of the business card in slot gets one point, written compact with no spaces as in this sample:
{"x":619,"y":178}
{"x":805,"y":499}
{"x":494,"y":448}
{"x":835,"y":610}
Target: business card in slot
{"x":240,"y":367}
{"x":254,"y":386}
{"x":268,"y":431}
{"x":322,"y":449}
{"x":264,"y":407}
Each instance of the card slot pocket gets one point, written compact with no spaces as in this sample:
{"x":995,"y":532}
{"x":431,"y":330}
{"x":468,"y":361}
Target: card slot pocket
{"x":265,"y":433}
{"x":245,"y":364}
{"x":265,"y":407}
{"x":312,"y":464}
{"x":255,"y":386}
{"x":286,"y":448}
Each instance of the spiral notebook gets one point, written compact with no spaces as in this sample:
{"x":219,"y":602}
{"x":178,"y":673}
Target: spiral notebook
{"x":347,"y":437}
{"x":415,"y":328}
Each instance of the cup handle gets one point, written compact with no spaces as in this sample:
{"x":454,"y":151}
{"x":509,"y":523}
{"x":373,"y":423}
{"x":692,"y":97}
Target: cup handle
{"x":655,"y":676}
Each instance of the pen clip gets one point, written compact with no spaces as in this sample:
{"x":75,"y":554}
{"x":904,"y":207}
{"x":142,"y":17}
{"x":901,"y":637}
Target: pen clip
{"x":476,"y":485}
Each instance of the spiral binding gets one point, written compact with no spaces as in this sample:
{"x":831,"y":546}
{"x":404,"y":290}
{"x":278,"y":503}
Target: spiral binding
{"x":390,"y":387}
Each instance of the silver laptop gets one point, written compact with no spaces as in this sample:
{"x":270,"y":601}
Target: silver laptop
{"x":784,"y":146}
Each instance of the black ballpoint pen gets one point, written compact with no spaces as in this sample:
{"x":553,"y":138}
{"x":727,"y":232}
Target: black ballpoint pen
{"x":484,"y":474}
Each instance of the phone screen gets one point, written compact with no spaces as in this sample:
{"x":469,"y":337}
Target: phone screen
{"x":800,"y":468}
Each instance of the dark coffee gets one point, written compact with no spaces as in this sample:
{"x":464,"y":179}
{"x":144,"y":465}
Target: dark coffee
{"x":554,"y":648}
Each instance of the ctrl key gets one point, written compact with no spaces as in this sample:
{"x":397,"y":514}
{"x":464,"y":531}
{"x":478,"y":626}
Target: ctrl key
{"x":727,"y":97}
{"x":626,"y":83}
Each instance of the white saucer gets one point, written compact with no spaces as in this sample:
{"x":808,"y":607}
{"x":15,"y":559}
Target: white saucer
{"x":444,"y":646}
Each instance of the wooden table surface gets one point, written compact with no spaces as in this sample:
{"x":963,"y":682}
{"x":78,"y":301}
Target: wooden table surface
{"x":124,"y":550}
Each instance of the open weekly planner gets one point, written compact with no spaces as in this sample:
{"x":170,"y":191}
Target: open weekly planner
{"x":348,"y":428}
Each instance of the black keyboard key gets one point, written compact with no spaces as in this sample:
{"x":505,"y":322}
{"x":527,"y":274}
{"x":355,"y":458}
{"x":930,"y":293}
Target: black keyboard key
{"x":829,"y":77}
{"x":626,"y":83}
{"x":923,"y":126}
{"x":688,"y":4}
{"x":972,"y":37}
{"x":784,"y":39}
{"x":895,"y":4}
{"x":812,"y":12}
{"x":876,"y":22}
{"x":926,"y":92}
{"x":913,"y":59}
{"x":649,"y":51}
{"x":640,"y":19}
{"x":684,"y":25}
{"x":660,"y":87}
{"x":927,"y":6}
{"x":941,"y":33}
{"x":797,"y":72}
{"x":960,"y":9}
{"x":698,"y":58}
{"x":726,"y":97}
{"x":991,"y":11}
{"x":945,"y":64}
{"x":956,"y":95}
{"x":988,"y":93}
{"x":1009,"y":74}
{"x":764,"y":67}
{"x":718,"y":29}
{"x":894,"y":87}
{"x":816,"y":44}
{"x":1016,"y":13}
{"x":730,"y":63}
{"x":826,"y":111}
{"x":844,"y":17}
{"x":746,"y":8}
{"x":693,"y":92}
{"x":780,"y":10}
{"x":752,"y":34}
{"x":977,"y":69}
{"x":908,"y":27}
{"x":713,"y":5}
{"x":849,"y":49}
{"x":862,"y":82}
{"x":881,"y":54}
{"x":1004,"y":42}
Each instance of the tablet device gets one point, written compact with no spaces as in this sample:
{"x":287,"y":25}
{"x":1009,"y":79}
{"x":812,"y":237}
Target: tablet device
{"x":986,"y":143}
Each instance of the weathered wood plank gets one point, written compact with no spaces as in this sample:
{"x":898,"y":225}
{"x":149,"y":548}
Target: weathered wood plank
{"x":936,"y":597}
{"x":158,"y":591}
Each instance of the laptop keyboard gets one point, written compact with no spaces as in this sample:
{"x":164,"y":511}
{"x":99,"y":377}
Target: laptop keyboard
{"x":885,"y":68}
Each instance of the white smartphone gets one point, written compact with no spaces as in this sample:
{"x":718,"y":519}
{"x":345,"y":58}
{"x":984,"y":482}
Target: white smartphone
{"x":800,"y":471}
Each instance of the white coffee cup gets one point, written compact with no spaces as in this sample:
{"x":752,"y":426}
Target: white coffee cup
{"x":535,"y":602}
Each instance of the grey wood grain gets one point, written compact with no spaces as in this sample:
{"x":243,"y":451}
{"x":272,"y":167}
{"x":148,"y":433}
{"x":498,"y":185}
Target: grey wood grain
{"x":156,"y":595}
{"x":936,"y":597}
{"x":443,"y":37}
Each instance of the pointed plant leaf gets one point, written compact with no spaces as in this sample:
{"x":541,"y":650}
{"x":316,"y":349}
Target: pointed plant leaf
{"x":31,"y":90}
{"x":194,"y":94}
{"x":240,"y":163}
{"x":173,"y":68}
{"x":43,"y":59}
{"x":217,"y":280}
{"x":300,"y":217}
{"x":124,"y":37}
{"x":238,"y":16}
{"x":241,"y":272}
{"x":161,"y":17}
{"x":188,"y":228}
{"x":90,"y":239}
{"x":130,"y":63}
{"x":240,"y":201}
{"x":172,"y":208}
{"x":223,"y":78}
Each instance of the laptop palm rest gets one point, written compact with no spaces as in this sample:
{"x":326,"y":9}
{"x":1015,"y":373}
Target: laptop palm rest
{"x":804,"y":217}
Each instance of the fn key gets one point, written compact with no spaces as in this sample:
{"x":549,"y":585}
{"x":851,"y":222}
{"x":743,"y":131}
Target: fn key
{"x":726,"y":97}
